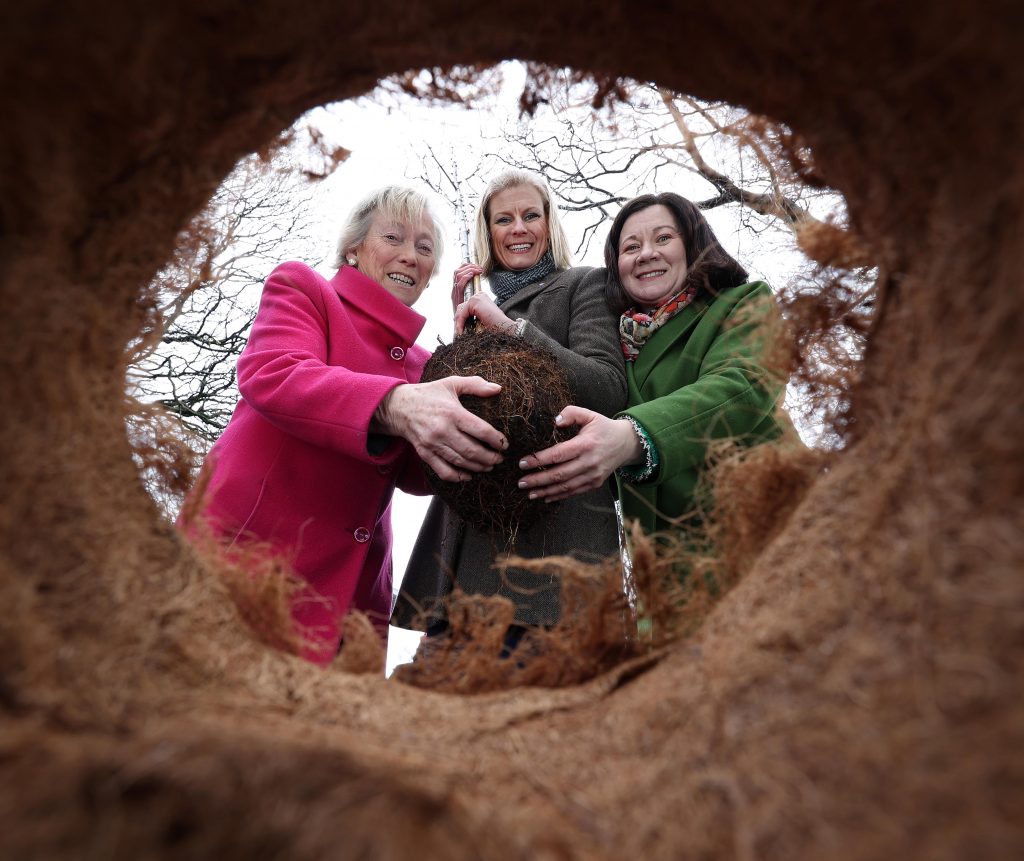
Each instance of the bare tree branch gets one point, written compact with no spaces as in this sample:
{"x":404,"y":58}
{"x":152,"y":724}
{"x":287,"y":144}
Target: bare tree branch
{"x":202,"y":305}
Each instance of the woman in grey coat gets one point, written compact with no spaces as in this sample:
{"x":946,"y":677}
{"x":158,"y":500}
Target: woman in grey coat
{"x":522,"y":250}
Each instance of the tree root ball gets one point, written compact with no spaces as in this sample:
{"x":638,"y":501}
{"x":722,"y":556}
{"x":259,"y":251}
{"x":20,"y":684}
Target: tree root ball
{"x":534,"y":389}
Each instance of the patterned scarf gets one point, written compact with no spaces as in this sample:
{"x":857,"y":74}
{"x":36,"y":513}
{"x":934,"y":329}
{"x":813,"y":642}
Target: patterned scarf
{"x":636,"y":327}
{"x":505,"y":283}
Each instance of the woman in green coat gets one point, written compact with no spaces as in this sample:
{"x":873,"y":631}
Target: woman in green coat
{"x":693,"y":332}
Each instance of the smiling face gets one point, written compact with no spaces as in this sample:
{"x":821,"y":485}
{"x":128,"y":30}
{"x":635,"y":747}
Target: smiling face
{"x":652,"y":256}
{"x":518,"y":227}
{"x":397,"y":255}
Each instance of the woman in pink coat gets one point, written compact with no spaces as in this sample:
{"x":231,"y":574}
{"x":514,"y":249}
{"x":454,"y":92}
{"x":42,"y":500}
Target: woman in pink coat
{"x":332,"y":417}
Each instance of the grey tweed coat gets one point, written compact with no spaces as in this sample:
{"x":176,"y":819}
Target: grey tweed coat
{"x":566,"y":312}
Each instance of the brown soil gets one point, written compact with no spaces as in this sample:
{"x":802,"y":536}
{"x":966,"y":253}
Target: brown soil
{"x":856,"y":695}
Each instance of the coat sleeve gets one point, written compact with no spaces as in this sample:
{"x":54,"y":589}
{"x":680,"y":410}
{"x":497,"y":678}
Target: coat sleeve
{"x":412,"y":478}
{"x":733,"y":394}
{"x":283,"y":372}
{"x":592,"y":358}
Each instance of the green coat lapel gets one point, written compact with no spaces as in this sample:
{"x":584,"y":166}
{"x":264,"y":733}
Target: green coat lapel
{"x":665,"y":339}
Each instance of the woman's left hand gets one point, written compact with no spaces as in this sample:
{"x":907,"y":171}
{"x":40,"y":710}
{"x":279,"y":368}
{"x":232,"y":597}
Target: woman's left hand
{"x":584,"y":462}
{"x":489,"y":315}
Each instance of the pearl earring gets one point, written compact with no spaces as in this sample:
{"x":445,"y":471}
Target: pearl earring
{"x":351,"y":261}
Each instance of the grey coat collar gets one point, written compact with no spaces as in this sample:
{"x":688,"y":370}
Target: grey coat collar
{"x":527,"y":293}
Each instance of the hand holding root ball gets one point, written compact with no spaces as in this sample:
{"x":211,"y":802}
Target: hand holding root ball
{"x":584,"y":462}
{"x":486,"y":312}
{"x":452,"y":441}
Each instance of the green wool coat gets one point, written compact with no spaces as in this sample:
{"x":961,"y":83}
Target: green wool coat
{"x":700,"y":378}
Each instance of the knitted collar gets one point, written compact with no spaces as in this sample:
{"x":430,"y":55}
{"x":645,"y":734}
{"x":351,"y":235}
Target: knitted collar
{"x":636,"y":327}
{"x":505,"y":283}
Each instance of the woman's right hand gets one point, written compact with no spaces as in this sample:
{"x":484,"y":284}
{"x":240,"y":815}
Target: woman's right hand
{"x":584,"y":462}
{"x":463,"y":275}
{"x":447,"y":437}
{"x":483,"y":309}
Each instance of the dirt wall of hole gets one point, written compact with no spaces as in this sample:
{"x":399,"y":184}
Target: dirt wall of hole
{"x":856,"y":696}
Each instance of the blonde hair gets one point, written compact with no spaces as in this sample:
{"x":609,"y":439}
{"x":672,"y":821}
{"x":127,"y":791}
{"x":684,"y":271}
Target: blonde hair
{"x":558,"y":244}
{"x":396,"y":203}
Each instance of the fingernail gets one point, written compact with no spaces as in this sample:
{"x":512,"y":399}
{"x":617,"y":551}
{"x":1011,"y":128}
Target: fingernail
{"x":522,"y":464}
{"x":522,"y":485}
{"x":532,"y":496}
{"x":558,"y":419}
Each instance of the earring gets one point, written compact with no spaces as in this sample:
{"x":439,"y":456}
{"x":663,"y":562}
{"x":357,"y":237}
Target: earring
{"x":351,"y":260}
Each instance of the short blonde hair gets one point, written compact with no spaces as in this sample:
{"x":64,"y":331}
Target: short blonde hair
{"x":558,"y":244}
{"x":396,"y":203}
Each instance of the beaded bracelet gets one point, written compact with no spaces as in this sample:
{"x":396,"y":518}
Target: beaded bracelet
{"x":640,"y":472}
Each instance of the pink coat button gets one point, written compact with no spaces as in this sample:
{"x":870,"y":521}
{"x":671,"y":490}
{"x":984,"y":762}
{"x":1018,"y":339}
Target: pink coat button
{"x":397,"y":353}
{"x":362,"y":534}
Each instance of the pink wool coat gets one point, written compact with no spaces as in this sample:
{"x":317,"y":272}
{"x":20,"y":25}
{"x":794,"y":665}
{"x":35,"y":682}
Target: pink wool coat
{"x":297,"y":466}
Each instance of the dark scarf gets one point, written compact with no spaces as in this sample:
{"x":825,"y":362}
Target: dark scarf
{"x":505,"y":283}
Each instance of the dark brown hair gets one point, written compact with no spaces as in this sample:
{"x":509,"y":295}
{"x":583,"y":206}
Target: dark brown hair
{"x":711,"y":268}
